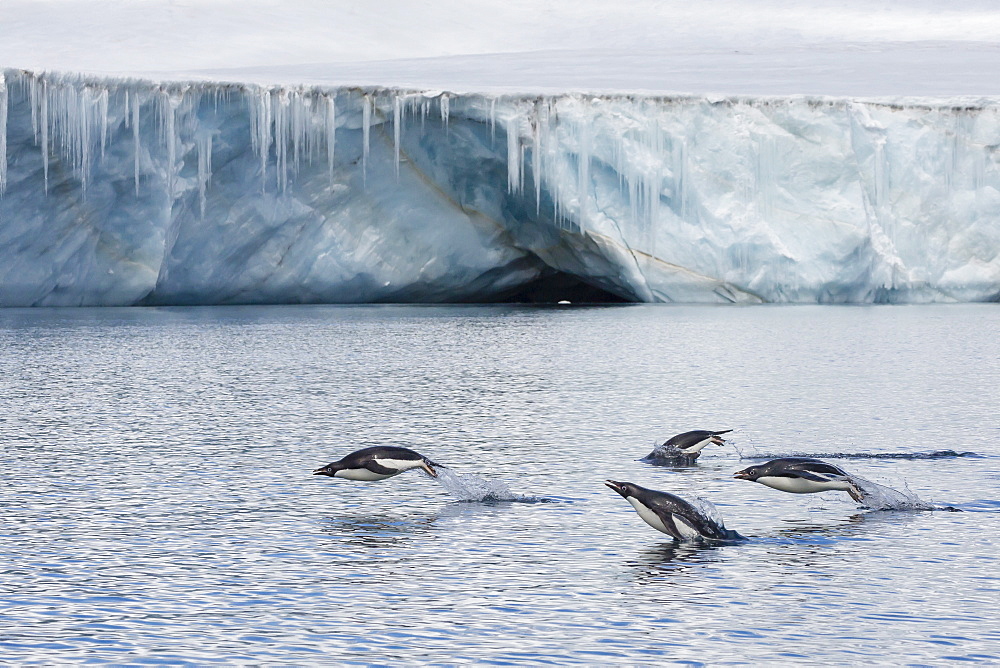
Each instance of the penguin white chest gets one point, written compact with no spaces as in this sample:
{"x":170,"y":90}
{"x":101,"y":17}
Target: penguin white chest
{"x":648,"y":516}
{"x":697,"y":447}
{"x":803,"y":486}
{"x":684,"y":528}
{"x":363,"y":475}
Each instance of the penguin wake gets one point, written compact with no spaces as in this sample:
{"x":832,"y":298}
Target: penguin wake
{"x":879,"y":497}
{"x":931,"y":454}
{"x":471,"y":487}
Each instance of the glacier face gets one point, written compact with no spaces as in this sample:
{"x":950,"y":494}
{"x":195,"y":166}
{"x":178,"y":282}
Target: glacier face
{"x":120,"y":192}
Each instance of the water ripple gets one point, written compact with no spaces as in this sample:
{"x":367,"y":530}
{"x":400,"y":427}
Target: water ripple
{"x":157,"y":505}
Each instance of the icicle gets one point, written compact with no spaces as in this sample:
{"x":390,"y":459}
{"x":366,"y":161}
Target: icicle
{"x":3,"y":133}
{"x":204,"y":168}
{"x":583,"y":167}
{"x":536,"y":158}
{"x":43,"y":121}
{"x":513,"y":156}
{"x":445,"y":103}
{"x":83,"y":138}
{"x":279,"y":109}
{"x":33,"y":103}
{"x":366,"y":126}
{"x":313,"y":132}
{"x":493,"y":122}
{"x":296,"y":113}
{"x":260,"y":131}
{"x":396,"y":125}
{"x":331,"y":133}
{"x":135,"y":142}
{"x":171,"y":147}
{"x":102,"y":115}
{"x":520,"y":167}
{"x":168,"y":129}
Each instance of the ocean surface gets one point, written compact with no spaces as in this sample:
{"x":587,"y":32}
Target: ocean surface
{"x":157,"y":503}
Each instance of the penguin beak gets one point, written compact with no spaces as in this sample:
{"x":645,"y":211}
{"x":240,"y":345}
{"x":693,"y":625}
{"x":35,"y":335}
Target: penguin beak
{"x":323,"y":471}
{"x":428,"y":466}
{"x":617,"y":486}
{"x":718,"y":440}
{"x":742,"y":475}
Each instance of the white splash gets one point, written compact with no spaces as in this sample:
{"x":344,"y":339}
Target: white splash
{"x":669,"y":454}
{"x":880,"y":497}
{"x":707,"y":509}
{"x":471,"y":487}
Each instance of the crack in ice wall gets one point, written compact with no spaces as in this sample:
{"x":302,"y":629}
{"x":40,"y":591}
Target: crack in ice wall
{"x":127,"y":191}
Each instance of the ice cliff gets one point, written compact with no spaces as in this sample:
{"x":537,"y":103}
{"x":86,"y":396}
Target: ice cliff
{"x":119,"y":192}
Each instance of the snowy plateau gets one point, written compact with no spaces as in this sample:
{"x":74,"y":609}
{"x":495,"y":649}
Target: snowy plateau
{"x":131,"y":187}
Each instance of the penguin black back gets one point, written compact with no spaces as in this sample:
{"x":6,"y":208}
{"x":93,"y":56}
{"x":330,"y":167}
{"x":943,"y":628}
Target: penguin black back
{"x":377,"y":463}
{"x":790,"y":467}
{"x":690,"y":439}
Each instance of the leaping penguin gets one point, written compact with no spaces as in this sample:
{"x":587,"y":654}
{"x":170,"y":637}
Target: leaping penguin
{"x":801,"y":475}
{"x":671,"y":514}
{"x":377,"y":463}
{"x":687,"y":446}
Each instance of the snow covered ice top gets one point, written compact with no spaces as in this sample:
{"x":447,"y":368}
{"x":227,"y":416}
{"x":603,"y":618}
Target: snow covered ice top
{"x":725,"y":47}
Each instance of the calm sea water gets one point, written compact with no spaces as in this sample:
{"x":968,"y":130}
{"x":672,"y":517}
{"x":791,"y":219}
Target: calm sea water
{"x":157,"y":504}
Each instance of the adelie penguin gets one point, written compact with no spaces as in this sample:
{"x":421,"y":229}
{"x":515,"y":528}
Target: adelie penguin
{"x":801,"y":475}
{"x":378,"y":463}
{"x":686,"y":447}
{"x":671,"y":514}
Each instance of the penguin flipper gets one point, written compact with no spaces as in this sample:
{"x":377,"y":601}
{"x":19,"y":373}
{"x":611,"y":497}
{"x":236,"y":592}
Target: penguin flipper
{"x":375,"y":467}
{"x":704,"y":529}
{"x":675,"y":525}
{"x":688,"y":438}
{"x":809,"y":475}
{"x":686,"y":527}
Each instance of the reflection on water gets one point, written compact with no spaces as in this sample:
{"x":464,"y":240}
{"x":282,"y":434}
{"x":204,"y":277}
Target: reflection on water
{"x":678,"y":463}
{"x":834,"y":529}
{"x":157,"y":505}
{"x":652,"y":564}
{"x":376,"y":530}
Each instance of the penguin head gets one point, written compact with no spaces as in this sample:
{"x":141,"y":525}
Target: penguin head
{"x":329,"y":469}
{"x":626,"y":489}
{"x":750,"y":473}
{"x":428,"y":467}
